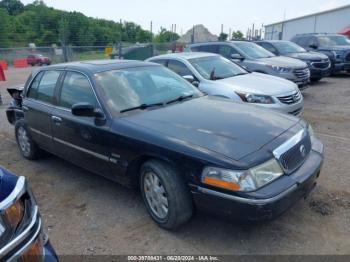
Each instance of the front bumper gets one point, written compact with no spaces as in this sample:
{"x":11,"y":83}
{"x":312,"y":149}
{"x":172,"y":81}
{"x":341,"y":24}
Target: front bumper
{"x":319,"y":73}
{"x":267,"y":202}
{"x":341,"y":67}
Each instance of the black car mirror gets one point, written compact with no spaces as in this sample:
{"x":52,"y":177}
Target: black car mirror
{"x":83,"y":109}
{"x":237,"y":57}
{"x":313,"y":46}
{"x":88,"y":110}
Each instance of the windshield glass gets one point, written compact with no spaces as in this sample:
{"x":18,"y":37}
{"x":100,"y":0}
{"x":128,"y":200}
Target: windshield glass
{"x":333,"y":40}
{"x":288,"y":47}
{"x":253,"y":50}
{"x":132,"y":87}
{"x":216,"y":67}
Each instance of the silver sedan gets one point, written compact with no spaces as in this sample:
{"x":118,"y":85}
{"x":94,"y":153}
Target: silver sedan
{"x":217,"y":76}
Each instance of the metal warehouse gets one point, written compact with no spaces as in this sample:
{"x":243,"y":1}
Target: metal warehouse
{"x":330,"y":21}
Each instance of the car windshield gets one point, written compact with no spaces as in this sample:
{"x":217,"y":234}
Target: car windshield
{"x":216,"y":67}
{"x":134,"y":87}
{"x":253,"y":50}
{"x":334,"y":40}
{"x":288,"y":47}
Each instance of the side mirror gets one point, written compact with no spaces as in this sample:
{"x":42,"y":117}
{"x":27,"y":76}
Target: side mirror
{"x":88,"y":110}
{"x":237,"y":57}
{"x":313,"y":46}
{"x":189,"y":78}
{"x":83,"y":109}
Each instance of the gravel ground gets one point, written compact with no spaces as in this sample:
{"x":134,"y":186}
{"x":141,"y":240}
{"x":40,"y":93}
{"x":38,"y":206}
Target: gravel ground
{"x":87,"y":214}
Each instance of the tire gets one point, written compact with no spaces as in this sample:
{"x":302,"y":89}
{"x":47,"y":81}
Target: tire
{"x":27,"y":146}
{"x":168,"y":191}
{"x":316,"y":79}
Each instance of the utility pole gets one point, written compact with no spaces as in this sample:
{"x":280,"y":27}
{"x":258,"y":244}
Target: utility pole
{"x":253,"y":30}
{"x":151,"y":28}
{"x":222,"y":28}
{"x":230,"y":34}
{"x":192,"y":36}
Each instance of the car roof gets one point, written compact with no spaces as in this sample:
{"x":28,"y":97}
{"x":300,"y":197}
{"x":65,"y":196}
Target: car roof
{"x":96,"y":66}
{"x":184,"y":55}
{"x":272,"y":41}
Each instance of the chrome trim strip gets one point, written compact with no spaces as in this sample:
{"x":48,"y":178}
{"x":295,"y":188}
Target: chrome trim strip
{"x":40,"y":133}
{"x":247,"y":200}
{"x":100,"y":156}
{"x":30,"y":242}
{"x":289,"y":144}
{"x":16,"y":194}
{"x":10,"y":246}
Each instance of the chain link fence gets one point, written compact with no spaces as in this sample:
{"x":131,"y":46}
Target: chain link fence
{"x":79,"y":53}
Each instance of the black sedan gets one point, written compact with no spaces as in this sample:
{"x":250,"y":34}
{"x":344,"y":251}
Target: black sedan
{"x":142,"y":125}
{"x":319,"y":64}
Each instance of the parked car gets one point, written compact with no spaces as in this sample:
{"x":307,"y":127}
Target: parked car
{"x":257,"y":59}
{"x":143,"y":125}
{"x":319,"y":64}
{"x":38,"y":59}
{"x":21,"y":231}
{"x":216,"y":75}
{"x":336,"y":47}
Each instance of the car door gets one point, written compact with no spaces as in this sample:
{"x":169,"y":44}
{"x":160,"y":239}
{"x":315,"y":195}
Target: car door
{"x":76,"y":138}
{"x":38,"y":105}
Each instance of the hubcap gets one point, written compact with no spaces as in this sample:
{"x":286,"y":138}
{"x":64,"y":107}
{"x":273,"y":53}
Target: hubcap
{"x":155,"y":194}
{"x":23,"y":140}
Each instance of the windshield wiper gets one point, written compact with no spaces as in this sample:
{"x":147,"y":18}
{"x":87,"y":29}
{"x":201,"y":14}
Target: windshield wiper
{"x":142,"y":107}
{"x":212,"y":74}
{"x":179,"y":99}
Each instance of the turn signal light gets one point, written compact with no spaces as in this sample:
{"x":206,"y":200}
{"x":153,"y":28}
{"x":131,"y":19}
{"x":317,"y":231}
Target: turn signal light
{"x":14,"y":214}
{"x":221,"y":183}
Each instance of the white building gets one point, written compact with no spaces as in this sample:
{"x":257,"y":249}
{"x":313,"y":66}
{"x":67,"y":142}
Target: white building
{"x":330,"y":21}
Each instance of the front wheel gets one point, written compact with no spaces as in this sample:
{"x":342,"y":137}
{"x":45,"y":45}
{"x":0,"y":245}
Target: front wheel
{"x":166,"y":196}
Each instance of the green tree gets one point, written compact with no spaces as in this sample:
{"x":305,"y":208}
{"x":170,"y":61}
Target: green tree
{"x":4,"y":32}
{"x":165,"y":36}
{"x":13,"y":7}
{"x":237,"y":35}
{"x":223,"y":37}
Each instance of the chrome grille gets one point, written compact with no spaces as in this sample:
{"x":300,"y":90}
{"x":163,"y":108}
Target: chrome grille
{"x":303,"y":73}
{"x":290,"y":99}
{"x":294,"y":152}
{"x":296,"y":112}
{"x":323,"y":64}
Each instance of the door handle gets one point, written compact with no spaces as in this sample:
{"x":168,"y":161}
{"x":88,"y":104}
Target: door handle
{"x":57,"y":120}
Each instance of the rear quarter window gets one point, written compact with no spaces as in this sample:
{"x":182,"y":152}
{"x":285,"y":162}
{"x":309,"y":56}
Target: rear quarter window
{"x":47,"y":86}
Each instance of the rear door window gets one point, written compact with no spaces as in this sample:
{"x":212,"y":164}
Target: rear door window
{"x":209,"y":48}
{"x":76,"y":88}
{"x":33,"y":89}
{"x":160,"y":61}
{"x":47,"y":86}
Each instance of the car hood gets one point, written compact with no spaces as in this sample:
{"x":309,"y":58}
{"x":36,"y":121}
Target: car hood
{"x":219,"y":125}
{"x":259,"y":84}
{"x":307,"y":56}
{"x":283,"y":61}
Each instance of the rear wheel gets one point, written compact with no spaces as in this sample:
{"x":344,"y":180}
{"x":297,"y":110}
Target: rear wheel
{"x":26,"y":145}
{"x":166,"y":196}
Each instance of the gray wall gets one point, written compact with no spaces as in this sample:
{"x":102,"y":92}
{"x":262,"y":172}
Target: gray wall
{"x":328,"y":22}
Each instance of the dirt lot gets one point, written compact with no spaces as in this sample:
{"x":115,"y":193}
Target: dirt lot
{"x":86,"y":214}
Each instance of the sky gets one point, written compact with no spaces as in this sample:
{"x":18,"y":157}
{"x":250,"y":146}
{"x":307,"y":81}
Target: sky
{"x":233,"y":14}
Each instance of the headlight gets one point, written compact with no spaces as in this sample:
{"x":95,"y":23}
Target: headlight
{"x":255,"y":99}
{"x":337,"y":54}
{"x":242,"y":180}
{"x":281,"y":69}
{"x":14,"y":214}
